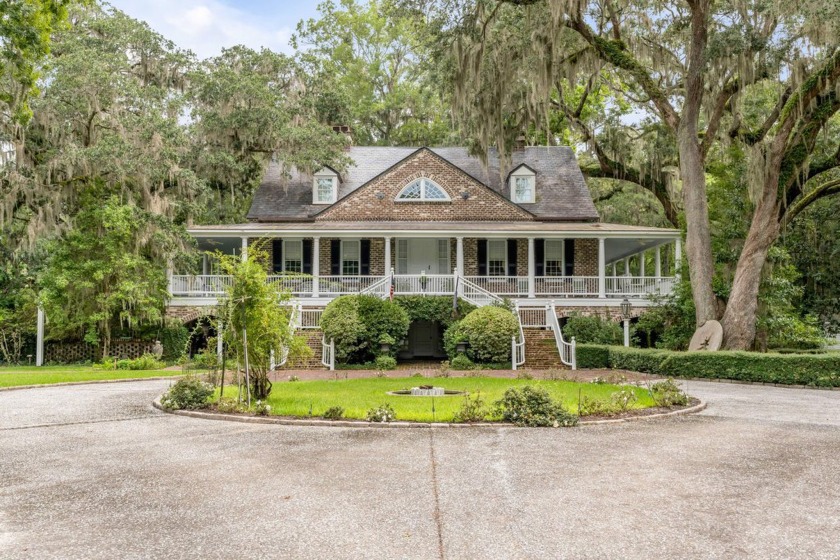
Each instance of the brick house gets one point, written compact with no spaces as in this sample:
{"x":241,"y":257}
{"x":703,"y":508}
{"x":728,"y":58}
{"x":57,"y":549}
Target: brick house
{"x":435,"y":220}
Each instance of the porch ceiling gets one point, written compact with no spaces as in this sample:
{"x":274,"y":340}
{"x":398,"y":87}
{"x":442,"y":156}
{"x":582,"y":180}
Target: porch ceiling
{"x":652,"y":236}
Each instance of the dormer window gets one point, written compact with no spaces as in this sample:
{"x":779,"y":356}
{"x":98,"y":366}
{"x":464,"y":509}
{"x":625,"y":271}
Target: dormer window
{"x":325,"y":187}
{"x":523,"y":188}
{"x":422,"y":189}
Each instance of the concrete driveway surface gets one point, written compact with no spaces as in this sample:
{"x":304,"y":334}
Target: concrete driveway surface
{"x":93,"y":471}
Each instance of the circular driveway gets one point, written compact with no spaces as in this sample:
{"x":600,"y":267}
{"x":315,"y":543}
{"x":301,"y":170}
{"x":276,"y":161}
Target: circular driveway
{"x":93,"y":471}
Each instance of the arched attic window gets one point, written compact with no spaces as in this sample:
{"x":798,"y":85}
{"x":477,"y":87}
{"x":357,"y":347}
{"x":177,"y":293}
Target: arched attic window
{"x":422,"y":189}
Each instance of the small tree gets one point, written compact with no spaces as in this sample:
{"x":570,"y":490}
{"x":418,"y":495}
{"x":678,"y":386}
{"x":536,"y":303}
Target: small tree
{"x":255,"y":319}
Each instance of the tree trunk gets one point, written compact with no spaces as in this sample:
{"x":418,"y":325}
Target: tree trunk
{"x":740,"y":316}
{"x":698,"y":239}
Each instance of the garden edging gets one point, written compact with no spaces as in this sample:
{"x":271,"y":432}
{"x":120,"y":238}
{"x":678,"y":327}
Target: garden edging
{"x":91,"y":382}
{"x":362,"y":424}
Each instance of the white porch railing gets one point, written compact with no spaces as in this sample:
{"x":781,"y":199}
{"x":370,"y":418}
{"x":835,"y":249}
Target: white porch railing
{"x":566,"y":286}
{"x":310,"y":318}
{"x":517,"y":348}
{"x":502,"y":285}
{"x":568,"y":353}
{"x":533,"y":317}
{"x":639,"y":286}
{"x":484,"y":289}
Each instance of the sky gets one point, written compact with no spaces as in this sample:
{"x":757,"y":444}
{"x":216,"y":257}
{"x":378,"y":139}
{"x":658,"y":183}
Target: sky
{"x":206,"y":26}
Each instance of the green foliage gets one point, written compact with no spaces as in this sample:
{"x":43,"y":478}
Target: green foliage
{"x":357,"y":322}
{"x":385,"y":363}
{"x":473,"y":409}
{"x":533,"y":406}
{"x":592,"y":329}
{"x":386,"y":338}
{"x":822,"y":370}
{"x":372,"y":55}
{"x":105,"y":273}
{"x":18,"y":311}
{"x":334,"y":413}
{"x":255,"y":308}
{"x":488,"y":330}
{"x":670,"y":323}
{"x":188,"y":393}
{"x":382,"y":413}
{"x":667,"y":394}
{"x":434,"y":308}
{"x":174,"y":341}
{"x":461,"y":363}
{"x":146,"y":361}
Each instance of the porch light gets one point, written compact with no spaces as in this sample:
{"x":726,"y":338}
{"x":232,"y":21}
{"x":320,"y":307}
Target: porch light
{"x":625,"y":314}
{"x":625,"y":309}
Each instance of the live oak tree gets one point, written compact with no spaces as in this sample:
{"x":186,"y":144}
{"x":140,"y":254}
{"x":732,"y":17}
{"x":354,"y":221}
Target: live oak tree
{"x":691,"y":73}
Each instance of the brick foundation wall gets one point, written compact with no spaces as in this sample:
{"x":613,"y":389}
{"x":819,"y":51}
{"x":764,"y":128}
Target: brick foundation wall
{"x":187,"y":314}
{"x":313,"y":340}
{"x":611,"y":313}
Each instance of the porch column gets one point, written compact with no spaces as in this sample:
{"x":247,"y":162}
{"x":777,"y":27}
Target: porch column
{"x":204,"y":264}
{"x":244,"y":249}
{"x":459,"y":255}
{"x":658,"y":264}
{"x":627,"y":266}
{"x":602,"y":268}
{"x":387,"y":267}
{"x":677,"y":257}
{"x":316,"y":266}
{"x":39,"y":343}
{"x":642,"y":264}
{"x":532,"y":269}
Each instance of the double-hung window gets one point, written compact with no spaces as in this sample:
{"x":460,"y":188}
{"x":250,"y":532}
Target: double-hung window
{"x":496,"y":257}
{"x":350,"y":258}
{"x":293,"y":256}
{"x":554,"y":257}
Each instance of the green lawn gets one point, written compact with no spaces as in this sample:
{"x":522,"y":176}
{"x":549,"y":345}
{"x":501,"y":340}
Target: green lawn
{"x":356,"y":396}
{"x":14,"y":376}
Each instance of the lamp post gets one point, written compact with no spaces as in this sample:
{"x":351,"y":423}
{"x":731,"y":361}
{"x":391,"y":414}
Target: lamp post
{"x":625,"y":314}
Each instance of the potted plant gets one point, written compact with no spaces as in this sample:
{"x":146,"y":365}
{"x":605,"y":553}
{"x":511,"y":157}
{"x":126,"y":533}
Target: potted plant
{"x":385,"y":343}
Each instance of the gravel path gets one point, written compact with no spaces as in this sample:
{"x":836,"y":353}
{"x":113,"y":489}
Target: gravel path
{"x":92,"y":471}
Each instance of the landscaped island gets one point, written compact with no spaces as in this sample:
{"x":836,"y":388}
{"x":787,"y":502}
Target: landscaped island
{"x":520,"y":401}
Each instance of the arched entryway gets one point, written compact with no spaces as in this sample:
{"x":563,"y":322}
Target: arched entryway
{"x":424,"y":341}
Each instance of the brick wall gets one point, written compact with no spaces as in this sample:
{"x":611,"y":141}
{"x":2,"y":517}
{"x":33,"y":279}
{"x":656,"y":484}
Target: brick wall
{"x":483,"y":203}
{"x":187,"y":314}
{"x":586,"y":257}
{"x":612,"y":313}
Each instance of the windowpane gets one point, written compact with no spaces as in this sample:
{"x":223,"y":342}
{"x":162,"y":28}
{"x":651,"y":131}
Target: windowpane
{"x":325,"y":189}
{"x":443,"y":256}
{"x":293,"y":256}
{"x":350,"y":258}
{"x":496,"y":257}
{"x":554,"y":257}
{"x":411,"y":192}
{"x":402,"y":256}
{"x":433,"y":192}
{"x":524,"y":189}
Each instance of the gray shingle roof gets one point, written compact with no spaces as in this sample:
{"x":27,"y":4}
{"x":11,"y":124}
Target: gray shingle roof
{"x":561,"y":191}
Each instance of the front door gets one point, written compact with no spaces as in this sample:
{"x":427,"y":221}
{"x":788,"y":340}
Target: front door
{"x":424,"y":340}
{"x":415,"y":256}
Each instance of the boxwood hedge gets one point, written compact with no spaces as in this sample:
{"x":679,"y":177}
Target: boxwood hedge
{"x":819,"y":370}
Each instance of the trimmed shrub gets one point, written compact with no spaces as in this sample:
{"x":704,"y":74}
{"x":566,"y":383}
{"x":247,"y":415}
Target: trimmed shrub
{"x":821,"y":370}
{"x":358,"y":322}
{"x":533,"y":406}
{"x":188,"y":393}
{"x":667,"y":393}
{"x":451,"y":337}
{"x":461,"y":363}
{"x":472,"y":409}
{"x":592,"y":330}
{"x":385,"y":363}
{"x":590,"y":356}
{"x":489,"y":331}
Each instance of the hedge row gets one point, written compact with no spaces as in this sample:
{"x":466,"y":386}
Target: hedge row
{"x":820,"y":370}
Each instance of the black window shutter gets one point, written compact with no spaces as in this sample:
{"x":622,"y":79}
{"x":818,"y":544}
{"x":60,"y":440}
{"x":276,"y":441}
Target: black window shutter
{"x":307,"y":256}
{"x":539,"y":256}
{"x":512,"y":257}
{"x":569,"y":253}
{"x":482,"y":257}
{"x":277,"y":255}
{"x":335,"y":257}
{"x":364,"y":260}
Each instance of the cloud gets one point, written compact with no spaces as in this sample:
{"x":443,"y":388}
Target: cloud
{"x":206,"y":26}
